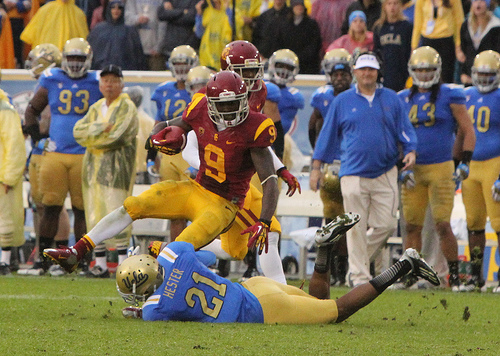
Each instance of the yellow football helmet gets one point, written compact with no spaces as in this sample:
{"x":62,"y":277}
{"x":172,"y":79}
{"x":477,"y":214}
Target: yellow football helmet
{"x":197,"y":78}
{"x":485,"y":71}
{"x":425,"y":58}
{"x":333,"y":57}
{"x":181,"y":60}
{"x":138,"y":277}
{"x":43,"y":56}
{"x":283,"y":66}
{"x":76,"y":57}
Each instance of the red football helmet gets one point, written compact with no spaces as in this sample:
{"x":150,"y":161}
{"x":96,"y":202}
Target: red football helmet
{"x":227,"y":98}
{"x":244,"y":58}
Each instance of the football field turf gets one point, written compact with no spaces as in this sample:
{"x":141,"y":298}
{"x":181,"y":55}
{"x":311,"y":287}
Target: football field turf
{"x":77,"y":316}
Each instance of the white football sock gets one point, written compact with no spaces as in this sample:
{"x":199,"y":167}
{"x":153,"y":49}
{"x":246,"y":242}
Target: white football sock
{"x":270,"y":262}
{"x":6,"y":257}
{"x":109,"y":226}
{"x":216,"y":247}
{"x":101,"y":262}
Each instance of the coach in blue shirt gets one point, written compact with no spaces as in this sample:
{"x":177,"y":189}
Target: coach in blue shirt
{"x":370,"y":124}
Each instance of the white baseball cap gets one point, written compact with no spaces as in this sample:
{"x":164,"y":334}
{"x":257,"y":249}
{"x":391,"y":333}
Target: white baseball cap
{"x":367,"y":60}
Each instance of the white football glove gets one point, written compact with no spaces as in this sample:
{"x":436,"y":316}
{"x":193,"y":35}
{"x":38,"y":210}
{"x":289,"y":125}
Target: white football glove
{"x":461,"y":173}
{"x":47,"y":145}
{"x":152,"y":169}
{"x":132,"y":251}
{"x":408,"y":179}
{"x":132,"y":313}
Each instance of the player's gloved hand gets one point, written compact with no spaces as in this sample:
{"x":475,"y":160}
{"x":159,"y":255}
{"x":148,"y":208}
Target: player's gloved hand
{"x":191,"y":172}
{"x":495,"y":190}
{"x":152,"y":169}
{"x":258,"y":235}
{"x":132,"y":251}
{"x":155,"y":248}
{"x":461,"y":173}
{"x":164,"y":144}
{"x":408,"y":179}
{"x":132,"y":313}
{"x":47,"y":145}
{"x":291,"y":181}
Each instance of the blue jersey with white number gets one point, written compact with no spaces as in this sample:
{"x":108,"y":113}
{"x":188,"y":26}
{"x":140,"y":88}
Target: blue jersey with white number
{"x":291,"y":101}
{"x":191,"y":292}
{"x":170,"y":101}
{"x":69,"y":101}
{"x":484,"y":110}
{"x":433,"y":122}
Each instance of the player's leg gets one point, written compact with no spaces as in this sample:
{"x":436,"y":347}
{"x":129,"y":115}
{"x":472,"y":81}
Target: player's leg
{"x":441,"y":198}
{"x":474,"y":197}
{"x":364,"y":294}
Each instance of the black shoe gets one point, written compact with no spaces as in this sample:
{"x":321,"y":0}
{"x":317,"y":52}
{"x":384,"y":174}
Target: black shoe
{"x":454,"y":282}
{"x":475,"y":282}
{"x":249,"y":273}
{"x":4,"y":269}
{"x":39,"y":268}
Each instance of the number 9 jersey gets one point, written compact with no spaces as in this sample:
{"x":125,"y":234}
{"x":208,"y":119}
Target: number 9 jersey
{"x":69,"y":100}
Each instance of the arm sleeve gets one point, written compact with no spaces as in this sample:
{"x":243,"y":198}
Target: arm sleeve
{"x":190,"y":152}
{"x":276,"y":161}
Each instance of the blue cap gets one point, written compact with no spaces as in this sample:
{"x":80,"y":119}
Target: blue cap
{"x":356,"y":14}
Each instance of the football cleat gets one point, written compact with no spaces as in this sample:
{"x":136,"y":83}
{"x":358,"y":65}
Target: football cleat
{"x":474,"y":283}
{"x":496,"y":289}
{"x":97,"y":272}
{"x":4,"y":269}
{"x":66,"y":257}
{"x":332,"y":231}
{"x":56,"y":271}
{"x":454,"y":282}
{"x":419,"y":267}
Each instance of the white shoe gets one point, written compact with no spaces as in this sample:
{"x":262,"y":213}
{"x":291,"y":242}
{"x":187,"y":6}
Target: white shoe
{"x":332,"y":231}
{"x":496,"y":289}
{"x":56,"y":271}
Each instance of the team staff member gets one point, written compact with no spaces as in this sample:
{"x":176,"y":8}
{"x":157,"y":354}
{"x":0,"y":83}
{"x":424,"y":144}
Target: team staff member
{"x":233,"y":145}
{"x":360,"y":120}
{"x":435,"y":110}
{"x":69,"y":91}
{"x":12,"y":164}
{"x":108,"y":132}
{"x":483,"y":105}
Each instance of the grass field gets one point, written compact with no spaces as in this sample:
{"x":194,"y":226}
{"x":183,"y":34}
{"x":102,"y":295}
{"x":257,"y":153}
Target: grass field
{"x":76,"y":316}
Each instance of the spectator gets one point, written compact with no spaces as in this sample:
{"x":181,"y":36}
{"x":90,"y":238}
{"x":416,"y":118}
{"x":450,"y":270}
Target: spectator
{"x":146,"y":124}
{"x":300,"y":34}
{"x":116,"y":43}
{"x":68,"y":91}
{"x":337,"y":66}
{"x":18,"y":12}
{"x":7,"y":59}
{"x":481,"y":190}
{"x":368,"y":177}
{"x":330,"y":15}
{"x":98,"y":15}
{"x":358,"y":37}
{"x":371,"y":8}
{"x":12,"y":164}
{"x":246,"y":11}
{"x":438,"y":26}
{"x":108,"y":131}
{"x":392,"y":42}
{"x":56,"y":22}
{"x":179,"y":17}
{"x":435,"y":110}
{"x":142,"y":14}
{"x":264,"y":29}
{"x":479,"y":32}
{"x":214,"y":28}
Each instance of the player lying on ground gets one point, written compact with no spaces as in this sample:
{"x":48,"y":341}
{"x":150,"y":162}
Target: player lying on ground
{"x":178,"y":286}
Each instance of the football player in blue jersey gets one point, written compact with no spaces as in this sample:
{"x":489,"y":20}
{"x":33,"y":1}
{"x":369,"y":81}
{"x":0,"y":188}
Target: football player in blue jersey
{"x":40,"y":58}
{"x":336,"y":66}
{"x":171,"y":99}
{"x":480,"y":192}
{"x":283,"y":67}
{"x":435,"y":110}
{"x":179,"y":286}
{"x":69,"y":91}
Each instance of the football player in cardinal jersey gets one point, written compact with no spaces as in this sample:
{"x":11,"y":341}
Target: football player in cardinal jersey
{"x":481,"y":190}
{"x":233,"y":145}
{"x":435,"y":110}
{"x":171,"y":100}
{"x":69,"y":91}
